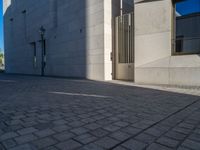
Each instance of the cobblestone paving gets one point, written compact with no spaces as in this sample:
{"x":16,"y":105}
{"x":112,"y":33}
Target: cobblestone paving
{"x":62,"y":114}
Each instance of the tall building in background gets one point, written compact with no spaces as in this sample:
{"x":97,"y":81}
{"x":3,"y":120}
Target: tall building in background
{"x":154,"y":42}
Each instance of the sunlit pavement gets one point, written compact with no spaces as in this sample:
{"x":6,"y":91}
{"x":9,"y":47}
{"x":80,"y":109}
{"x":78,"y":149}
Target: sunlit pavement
{"x":54,"y":113}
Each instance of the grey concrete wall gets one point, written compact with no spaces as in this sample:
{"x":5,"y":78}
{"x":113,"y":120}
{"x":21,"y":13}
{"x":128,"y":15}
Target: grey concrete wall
{"x":76,"y":46}
{"x":75,"y":37}
{"x":153,"y":48}
{"x":153,"y":24}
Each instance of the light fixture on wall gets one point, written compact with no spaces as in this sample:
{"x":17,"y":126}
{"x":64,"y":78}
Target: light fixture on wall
{"x":42,"y":31}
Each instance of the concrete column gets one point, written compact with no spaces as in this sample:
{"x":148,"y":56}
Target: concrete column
{"x":153,"y":35}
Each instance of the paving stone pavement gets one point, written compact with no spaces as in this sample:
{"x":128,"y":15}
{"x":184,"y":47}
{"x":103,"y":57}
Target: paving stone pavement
{"x":68,"y":114}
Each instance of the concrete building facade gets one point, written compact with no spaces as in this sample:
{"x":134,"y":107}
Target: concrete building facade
{"x":80,"y":40}
{"x":78,"y":37}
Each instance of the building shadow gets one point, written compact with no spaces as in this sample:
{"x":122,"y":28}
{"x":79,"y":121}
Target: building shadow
{"x":66,"y":37}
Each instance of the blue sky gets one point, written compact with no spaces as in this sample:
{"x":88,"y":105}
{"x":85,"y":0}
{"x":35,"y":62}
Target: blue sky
{"x":188,"y":6}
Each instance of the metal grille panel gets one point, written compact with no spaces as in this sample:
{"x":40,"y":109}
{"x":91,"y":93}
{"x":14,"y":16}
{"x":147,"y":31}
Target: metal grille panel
{"x":125,"y":38}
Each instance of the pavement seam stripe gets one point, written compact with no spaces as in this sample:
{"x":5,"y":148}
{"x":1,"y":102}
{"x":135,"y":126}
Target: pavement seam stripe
{"x":187,"y":106}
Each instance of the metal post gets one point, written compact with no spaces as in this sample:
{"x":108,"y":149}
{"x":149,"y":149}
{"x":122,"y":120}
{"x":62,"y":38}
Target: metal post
{"x":42,"y":32}
{"x":121,"y":7}
{"x":42,"y":43}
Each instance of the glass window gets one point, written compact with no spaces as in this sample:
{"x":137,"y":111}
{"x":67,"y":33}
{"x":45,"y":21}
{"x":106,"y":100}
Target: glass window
{"x":187,"y":28}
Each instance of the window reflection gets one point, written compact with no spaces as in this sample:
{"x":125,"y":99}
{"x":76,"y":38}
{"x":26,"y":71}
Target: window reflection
{"x":187,"y":27}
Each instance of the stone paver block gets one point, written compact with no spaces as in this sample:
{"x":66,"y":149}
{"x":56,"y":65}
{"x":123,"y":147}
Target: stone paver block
{"x":121,"y":123}
{"x":107,"y":142}
{"x":183,"y":148}
{"x":51,"y":148}
{"x":195,"y":137}
{"x":76,"y":124}
{"x":111,"y":128}
{"x":44,"y":133}
{"x":79,"y":131}
{"x":8,"y":135}
{"x":24,"y":147}
{"x":9,"y":143}
{"x":27,"y":131}
{"x":104,"y":122}
{"x":131,"y":130}
{"x":197,"y":131}
{"x":119,"y":148}
{"x":43,"y":126}
{"x":99,"y":132}
{"x":168,"y":142}
{"x":146,"y":138}
{"x":45,"y":142}
{"x":60,"y":122}
{"x":68,"y":145}
{"x":191,"y":144}
{"x":91,"y":146}
{"x":85,"y":138}
{"x":182,"y":130}
{"x":186,"y":125}
{"x":64,"y":136}
{"x":155,"y":146}
{"x":25,"y":138}
{"x":61,"y":128}
{"x":92,"y":126}
{"x":175,"y":135}
{"x":1,"y":147}
{"x":120,"y":136}
{"x":134,"y":145}
{"x":155,"y":131}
